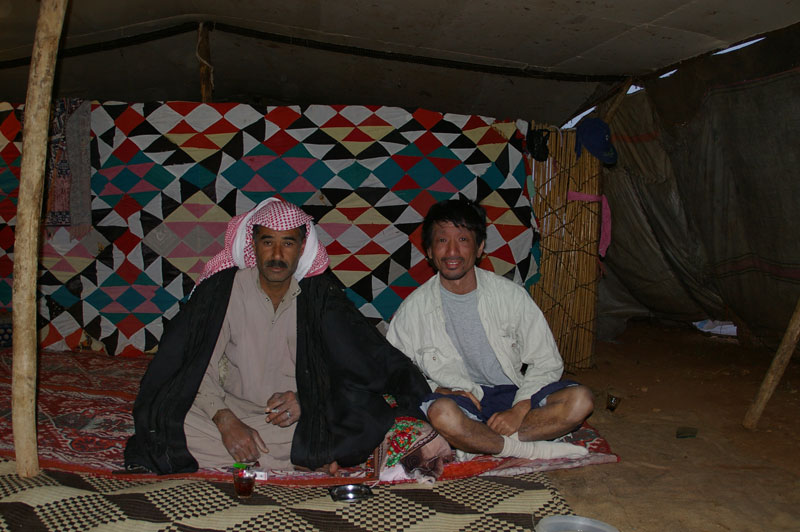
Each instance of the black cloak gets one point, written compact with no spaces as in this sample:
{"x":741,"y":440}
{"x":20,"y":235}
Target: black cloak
{"x":344,"y":366}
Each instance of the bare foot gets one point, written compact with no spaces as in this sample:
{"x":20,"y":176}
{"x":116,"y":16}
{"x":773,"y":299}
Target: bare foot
{"x":332,"y":469}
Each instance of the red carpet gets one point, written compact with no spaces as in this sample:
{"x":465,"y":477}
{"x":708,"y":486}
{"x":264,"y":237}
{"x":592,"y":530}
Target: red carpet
{"x":83,"y":409}
{"x":84,"y":420}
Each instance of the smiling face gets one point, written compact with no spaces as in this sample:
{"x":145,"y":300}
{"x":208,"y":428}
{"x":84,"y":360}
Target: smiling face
{"x":454,"y":252}
{"x":277,"y":255}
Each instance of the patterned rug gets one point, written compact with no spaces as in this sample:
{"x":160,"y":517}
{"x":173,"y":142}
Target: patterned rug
{"x":67,"y":502}
{"x":84,"y":420}
{"x":83,"y":409}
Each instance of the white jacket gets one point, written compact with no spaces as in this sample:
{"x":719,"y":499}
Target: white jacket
{"x":515,"y":327}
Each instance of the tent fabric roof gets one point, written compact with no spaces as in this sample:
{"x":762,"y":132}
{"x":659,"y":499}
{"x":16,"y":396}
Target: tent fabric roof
{"x":535,"y":59}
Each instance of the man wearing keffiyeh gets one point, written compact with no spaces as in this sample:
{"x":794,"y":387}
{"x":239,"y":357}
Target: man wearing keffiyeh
{"x":269,"y":361}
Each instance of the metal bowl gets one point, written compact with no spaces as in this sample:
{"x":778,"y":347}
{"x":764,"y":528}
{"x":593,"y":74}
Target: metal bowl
{"x":350,"y":492}
{"x":572,"y":523}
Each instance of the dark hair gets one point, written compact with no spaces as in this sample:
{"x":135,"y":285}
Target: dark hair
{"x":301,"y":227}
{"x":459,"y":212}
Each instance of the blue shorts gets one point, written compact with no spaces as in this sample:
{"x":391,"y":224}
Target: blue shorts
{"x":496,"y":399}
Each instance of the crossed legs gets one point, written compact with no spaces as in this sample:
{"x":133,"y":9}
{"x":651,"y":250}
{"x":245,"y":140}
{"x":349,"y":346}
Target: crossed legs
{"x":462,"y":432}
{"x":565,"y":410}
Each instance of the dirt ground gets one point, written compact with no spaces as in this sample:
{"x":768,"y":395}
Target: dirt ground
{"x":724,"y":478}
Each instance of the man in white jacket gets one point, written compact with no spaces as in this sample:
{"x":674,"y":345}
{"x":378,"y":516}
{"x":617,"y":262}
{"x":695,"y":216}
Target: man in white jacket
{"x":485,"y":348}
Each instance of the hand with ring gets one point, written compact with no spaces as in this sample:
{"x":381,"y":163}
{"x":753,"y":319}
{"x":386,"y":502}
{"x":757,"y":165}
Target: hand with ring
{"x":283,"y":409}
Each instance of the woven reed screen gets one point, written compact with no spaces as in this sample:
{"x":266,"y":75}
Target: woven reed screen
{"x":567,"y":289}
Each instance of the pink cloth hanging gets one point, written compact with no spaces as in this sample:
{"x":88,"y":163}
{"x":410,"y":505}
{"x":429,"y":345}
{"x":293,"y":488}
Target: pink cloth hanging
{"x":605,"y":220}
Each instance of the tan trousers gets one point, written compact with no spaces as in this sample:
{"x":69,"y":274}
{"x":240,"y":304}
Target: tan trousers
{"x":205,"y":442}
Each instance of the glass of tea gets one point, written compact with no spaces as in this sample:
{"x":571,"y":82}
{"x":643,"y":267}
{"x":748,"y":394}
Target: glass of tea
{"x":244,"y":480}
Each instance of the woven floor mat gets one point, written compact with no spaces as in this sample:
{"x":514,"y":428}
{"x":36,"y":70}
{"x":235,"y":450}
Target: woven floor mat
{"x":56,"y":501}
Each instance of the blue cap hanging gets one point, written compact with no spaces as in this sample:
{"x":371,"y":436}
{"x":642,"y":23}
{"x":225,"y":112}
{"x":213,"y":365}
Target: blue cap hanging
{"x":595,"y":136}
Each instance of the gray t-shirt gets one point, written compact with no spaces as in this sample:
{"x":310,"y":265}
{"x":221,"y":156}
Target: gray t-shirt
{"x":464,"y":327}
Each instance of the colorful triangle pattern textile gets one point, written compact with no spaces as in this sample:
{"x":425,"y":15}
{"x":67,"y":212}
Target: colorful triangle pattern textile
{"x":10,"y":159}
{"x":167,"y":177}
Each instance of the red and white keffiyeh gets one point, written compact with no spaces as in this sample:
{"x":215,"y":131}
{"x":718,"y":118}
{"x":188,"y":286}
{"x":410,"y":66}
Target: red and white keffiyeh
{"x":276,"y":215}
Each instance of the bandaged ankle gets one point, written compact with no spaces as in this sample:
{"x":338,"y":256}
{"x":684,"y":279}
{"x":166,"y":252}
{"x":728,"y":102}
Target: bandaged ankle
{"x":536,"y":450}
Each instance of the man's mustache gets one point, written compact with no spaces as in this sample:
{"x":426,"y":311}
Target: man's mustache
{"x":275,"y":263}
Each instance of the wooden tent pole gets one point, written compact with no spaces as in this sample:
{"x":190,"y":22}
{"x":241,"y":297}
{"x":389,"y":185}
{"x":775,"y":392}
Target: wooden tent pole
{"x":776,"y":369}
{"x":204,"y":56}
{"x":26,"y":244}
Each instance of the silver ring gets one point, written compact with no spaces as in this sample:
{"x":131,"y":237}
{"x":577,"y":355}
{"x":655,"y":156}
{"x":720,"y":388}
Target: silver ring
{"x":288,"y":415}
